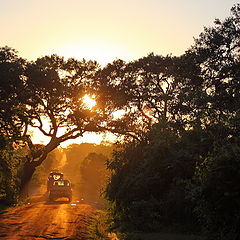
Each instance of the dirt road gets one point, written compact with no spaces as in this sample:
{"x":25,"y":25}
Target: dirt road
{"x":40,"y":219}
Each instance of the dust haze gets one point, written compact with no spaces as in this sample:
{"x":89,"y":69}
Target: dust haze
{"x":84,"y":165}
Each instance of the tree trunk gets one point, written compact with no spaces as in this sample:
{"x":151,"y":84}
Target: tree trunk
{"x":27,"y":173}
{"x":29,"y":167}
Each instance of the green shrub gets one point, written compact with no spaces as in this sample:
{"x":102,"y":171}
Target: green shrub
{"x":10,"y":167}
{"x":216,"y":192}
{"x":98,"y":229}
{"x":148,"y":186}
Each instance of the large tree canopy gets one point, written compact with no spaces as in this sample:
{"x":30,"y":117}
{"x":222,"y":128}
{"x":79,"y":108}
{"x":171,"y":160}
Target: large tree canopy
{"x":188,"y":163}
{"x":48,"y":95}
{"x":209,"y":72}
{"x":13,"y":119}
{"x":146,"y":89}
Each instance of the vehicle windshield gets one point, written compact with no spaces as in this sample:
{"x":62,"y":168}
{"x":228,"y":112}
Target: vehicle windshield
{"x":61,"y":183}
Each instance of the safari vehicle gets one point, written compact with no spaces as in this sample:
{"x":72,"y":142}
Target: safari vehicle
{"x":60,"y":189}
{"x":53,"y":176}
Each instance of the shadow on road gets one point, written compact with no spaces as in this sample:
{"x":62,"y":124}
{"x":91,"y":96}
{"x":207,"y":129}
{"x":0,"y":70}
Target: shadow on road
{"x":56,"y":202}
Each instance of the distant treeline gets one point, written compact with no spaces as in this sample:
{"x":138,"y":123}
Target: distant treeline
{"x":178,"y":164}
{"x":85,"y":165}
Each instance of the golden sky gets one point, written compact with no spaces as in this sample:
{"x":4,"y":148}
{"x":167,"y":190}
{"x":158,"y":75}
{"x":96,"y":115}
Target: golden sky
{"x":105,"y":30}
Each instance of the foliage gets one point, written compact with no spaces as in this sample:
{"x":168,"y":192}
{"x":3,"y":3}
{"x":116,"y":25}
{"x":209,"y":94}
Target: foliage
{"x":146,"y":83}
{"x":93,"y":176}
{"x":180,"y":161}
{"x":76,"y":153}
{"x":98,"y":229}
{"x":162,"y":236}
{"x":186,"y":148}
{"x":216,"y":191}
{"x":76,"y":158}
{"x":209,"y":72}
{"x":11,"y":162}
{"x":149,"y":179}
{"x":47,"y":95}
{"x":13,"y":119}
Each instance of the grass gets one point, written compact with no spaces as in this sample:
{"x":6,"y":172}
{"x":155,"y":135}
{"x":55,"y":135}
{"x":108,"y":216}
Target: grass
{"x":99,"y":226}
{"x":3,"y":208}
{"x":162,"y":236}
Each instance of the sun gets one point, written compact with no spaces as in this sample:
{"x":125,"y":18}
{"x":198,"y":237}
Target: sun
{"x":89,"y":101}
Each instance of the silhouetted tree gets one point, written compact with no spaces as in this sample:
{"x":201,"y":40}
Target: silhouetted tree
{"x":13,"y":114}
{"x":145,"y":83}
{"x":47,"y":95}
{"x":209,"y":73}
{"x":56,"y":87}
{"x":155,"y":172}
{"x":193,"y":149}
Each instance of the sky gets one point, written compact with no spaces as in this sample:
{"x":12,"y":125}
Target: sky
{"x":108,"y":29}
{"x":105,"y":30}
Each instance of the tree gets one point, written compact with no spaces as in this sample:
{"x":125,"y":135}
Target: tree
{"x":200,"y":135}
{"x":216,"y":53}
{"x":13,"y":119}
{"x":209,"y":73}
{"x":76,"y":153}
{"x":10,"y":172}
{"x":149,"y":178}
{"x":56,"y":87}
{"x":216,"y":192}
{"x":93,"y":175}
{"x":147,"y":83}
{"x":47,"y":95}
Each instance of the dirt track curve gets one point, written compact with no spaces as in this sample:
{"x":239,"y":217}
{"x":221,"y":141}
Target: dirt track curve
{"x":40,"y":219}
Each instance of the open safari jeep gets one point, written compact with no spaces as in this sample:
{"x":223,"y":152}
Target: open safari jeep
{"x":60,"y":189}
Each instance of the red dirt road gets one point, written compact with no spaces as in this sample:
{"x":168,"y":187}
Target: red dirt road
{"x":41,"y":219}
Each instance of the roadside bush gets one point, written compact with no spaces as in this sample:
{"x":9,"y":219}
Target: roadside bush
{"x":98,"y":229}
{"x":147,"y":188}
{"x":10,"y":167}
{"x":216,"y":192}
